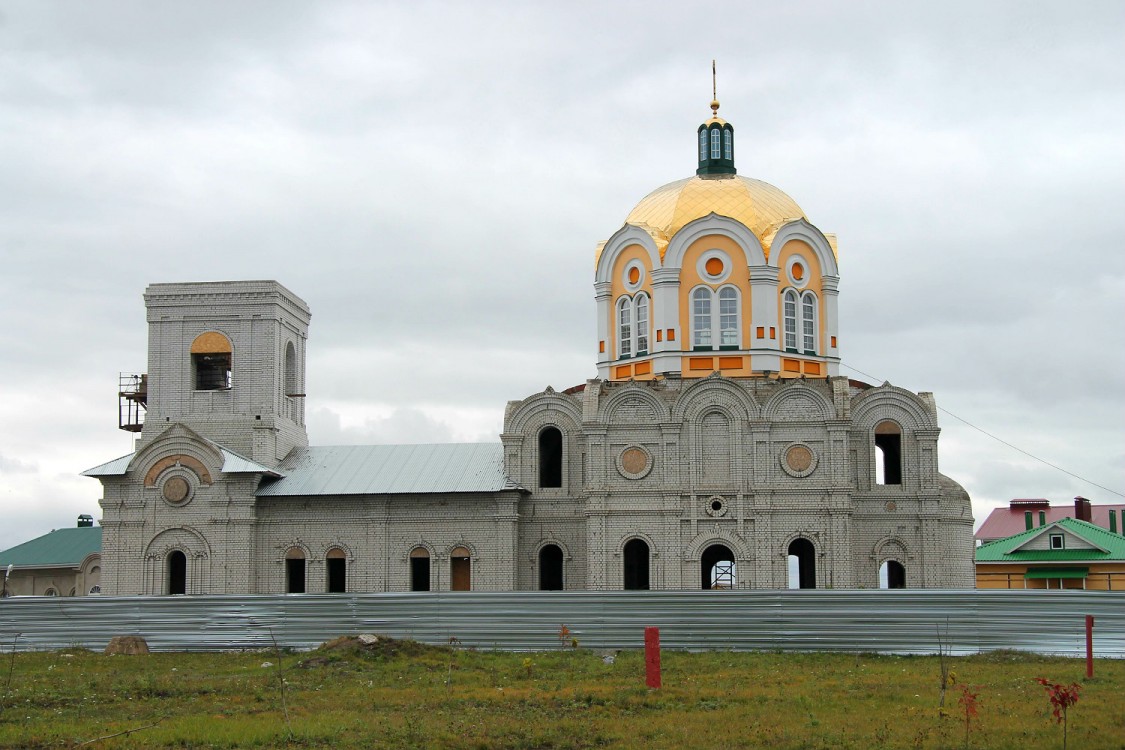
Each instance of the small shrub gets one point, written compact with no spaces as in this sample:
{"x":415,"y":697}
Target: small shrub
{"x":1062,"y":697}
{"x":968,"y":703}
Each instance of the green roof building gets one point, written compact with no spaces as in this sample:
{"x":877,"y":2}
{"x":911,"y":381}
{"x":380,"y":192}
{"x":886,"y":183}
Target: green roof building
{"x":65,"y":562}
{"x":1066,"y":554}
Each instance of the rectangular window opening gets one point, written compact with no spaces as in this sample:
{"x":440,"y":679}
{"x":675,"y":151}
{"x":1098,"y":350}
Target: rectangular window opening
{"x":212,"y":371}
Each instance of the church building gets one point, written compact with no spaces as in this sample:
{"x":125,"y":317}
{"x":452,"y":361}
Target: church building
{"x":718,"y":446}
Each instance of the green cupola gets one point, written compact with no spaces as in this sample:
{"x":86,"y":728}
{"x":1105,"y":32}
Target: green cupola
{"x":716,"y":145}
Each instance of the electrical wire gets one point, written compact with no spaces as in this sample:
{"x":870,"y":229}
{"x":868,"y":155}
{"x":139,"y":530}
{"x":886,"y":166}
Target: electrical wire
{"x":1004,"y":442}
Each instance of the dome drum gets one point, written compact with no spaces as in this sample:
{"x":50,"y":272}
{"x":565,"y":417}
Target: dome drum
{"x":693,"y":283}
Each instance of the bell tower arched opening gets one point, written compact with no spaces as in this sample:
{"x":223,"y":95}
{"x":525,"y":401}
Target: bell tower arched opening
{"x":550,"y":457}
{"x":636,"y":562}
{"x":802,"y":564}
{"x":176,"y":564}
{"x":717,"y":567}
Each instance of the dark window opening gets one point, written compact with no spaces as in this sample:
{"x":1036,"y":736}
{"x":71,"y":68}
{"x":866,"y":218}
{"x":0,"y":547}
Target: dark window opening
{"x":550,"y":457}
{"x":636,"y":565}
{"x":551,"y":568}
{"x":295,"y":575}
{"x":419,"y":570}
{"x":802,"y":564}
{"x":717,"y":564}
{"x":888,"y":446}
{"x":892,"y":575}
{"x":177,"y":573}
{"x":212,"y":371}
{"x":337,"y":571}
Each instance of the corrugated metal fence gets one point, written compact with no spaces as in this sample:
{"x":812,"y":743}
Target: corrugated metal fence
{"x":895,"y":621}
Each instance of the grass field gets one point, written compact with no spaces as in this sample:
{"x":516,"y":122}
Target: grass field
{"x":403,"y":695}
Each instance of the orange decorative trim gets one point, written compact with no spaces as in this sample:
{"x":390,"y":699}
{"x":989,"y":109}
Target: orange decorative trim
{"x":761,"y":332}
{"x":660,"y":335}
{"x":671,"y":334}
{"x":773,"y":332}
{"x":791,"y":365}
{"x":211,"y":342}
{"x":623,"y":371}
{"x":833,"y":342}
{"x":701,"y":363}
{"x":730,"y":363}
{"x":601,"y":347}
{"x":185,"y":461}
{"x":812,"y":368}
{"x":642,"y":368}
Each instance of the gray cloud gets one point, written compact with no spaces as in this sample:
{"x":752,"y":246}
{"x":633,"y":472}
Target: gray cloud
{"x":434,"y":177}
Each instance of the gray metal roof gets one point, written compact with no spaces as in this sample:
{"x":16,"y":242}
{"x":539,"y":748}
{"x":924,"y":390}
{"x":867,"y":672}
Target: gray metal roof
{"x":391,"y":470}
{"x":232,"y":464}
{"x":114,"y":468}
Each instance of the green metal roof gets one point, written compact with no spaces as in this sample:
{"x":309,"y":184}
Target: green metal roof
{"x":1006,"y":550}
{"x":60,"y":548}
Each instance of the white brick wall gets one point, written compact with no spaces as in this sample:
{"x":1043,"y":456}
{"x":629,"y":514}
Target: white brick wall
{"x":236,"y":543}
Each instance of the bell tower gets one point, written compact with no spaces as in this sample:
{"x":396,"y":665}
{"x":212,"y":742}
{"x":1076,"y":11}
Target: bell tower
{"x":227,"y":359}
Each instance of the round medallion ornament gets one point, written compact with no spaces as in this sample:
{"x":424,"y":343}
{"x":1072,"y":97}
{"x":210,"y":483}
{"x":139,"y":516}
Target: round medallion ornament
{"x":714,"y":266}
{"x":891,"y":506}
{"x":176,"y":490}
{"x":798,"y":460}
{"x":798,"y":271}
{"x":716,"y":507}
{"x":634,"y":462}
{"x":634,"y":275}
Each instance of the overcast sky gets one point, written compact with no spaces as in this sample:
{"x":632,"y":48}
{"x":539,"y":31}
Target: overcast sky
{"x":433,"y":179}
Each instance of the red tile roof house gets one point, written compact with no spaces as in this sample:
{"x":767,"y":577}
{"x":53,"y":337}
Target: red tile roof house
{"x":1021,"y":515}
{"x":1057,"y":548}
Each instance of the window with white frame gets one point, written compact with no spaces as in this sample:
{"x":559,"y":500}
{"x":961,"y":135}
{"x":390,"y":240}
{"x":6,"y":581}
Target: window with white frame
{"x":728,"y":144}
{"x":808,"y":323}
{"x":728,"y":317}
{"x":1057,"y":541}
{"x":789,"y":316}
{"x":724,"y":328}
{"x":632,"y":325}
{"x":703,"y":145}
{"x":625,"y":327}
{"x":640,"y":309}
{"x":701,"y":318}
{"x":715,"y":143}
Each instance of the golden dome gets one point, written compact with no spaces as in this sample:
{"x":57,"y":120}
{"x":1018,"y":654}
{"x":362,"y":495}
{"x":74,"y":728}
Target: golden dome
{"x":756,"y":204}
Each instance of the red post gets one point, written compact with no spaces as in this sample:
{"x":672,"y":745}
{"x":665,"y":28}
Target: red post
{"x":1089,"y":646}
{"x":652,"y":657}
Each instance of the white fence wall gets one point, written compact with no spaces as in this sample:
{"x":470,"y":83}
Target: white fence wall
{"x":888,"y":621}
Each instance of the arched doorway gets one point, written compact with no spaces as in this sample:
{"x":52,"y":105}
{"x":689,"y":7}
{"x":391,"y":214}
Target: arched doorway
{"x":177,"y":572}
{"x":892,"y":575}
{"x":336,"y":570}
{"x":551,"y":568}
{"x":636,"y":565}
{"x":802,"y":564}
{"x":717,"y":567}
{"x":460,"y":570}
{"x":295,"y":571}
{"x":419,"y":569}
